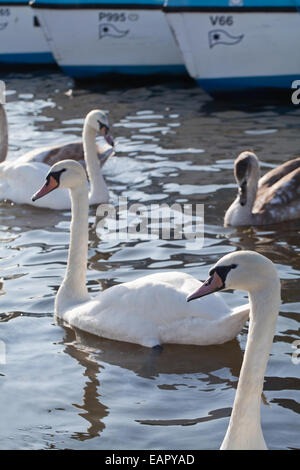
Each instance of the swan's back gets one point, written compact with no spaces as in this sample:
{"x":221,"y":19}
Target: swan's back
{"x":153,"y":310}
{"x":53,"y":154}
{"x":274,"y":175}
{"x":18,"y":180}
{"x":71,"y":151}
{"x":163,"y":297}
{"x":281,"y":200}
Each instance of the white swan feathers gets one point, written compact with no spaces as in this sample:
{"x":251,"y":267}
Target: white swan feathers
{"x":150,"y":310}
{"x":250,"y":271}
{"x":19,"y":176}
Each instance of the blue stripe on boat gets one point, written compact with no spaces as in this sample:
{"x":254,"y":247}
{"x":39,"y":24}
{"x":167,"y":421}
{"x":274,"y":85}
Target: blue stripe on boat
{"x":98,"y":3}
{"x":90,"y":71}
{"x":242,"y":84}
{"x":229,"y":4}
{"x":27,"y":58}
{"x":13,"y":2}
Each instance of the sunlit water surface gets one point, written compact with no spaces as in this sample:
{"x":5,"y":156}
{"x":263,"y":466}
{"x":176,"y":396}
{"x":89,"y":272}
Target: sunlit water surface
{"x":62,"y":389}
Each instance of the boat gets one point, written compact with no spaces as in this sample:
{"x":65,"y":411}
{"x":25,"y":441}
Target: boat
{"x":22,"y":41}
{"x":89,"y":38}
{"x":238,"y":46}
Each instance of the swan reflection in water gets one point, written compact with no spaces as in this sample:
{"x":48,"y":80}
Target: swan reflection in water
{"x":177,"y":364}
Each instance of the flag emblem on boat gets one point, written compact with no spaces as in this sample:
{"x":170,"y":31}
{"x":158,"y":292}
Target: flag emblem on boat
{"x":219,"y":36}
{"x":111,"y":30}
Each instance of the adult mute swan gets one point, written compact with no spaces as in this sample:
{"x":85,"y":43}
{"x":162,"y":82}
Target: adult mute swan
{"x":17,"y":177}
{"x":150,"y":310}
{"x":247,"y":270}
{"x":268,"y":200}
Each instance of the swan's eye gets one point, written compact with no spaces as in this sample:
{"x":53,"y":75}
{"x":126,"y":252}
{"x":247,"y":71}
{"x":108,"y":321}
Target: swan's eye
{"x":56,"y":175}
{"x":223,"y":271}
{"x":101,"y":126}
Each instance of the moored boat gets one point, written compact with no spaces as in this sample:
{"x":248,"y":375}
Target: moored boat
{"x":22,"y":40}
{"x":89,"y":38}
{"x":232,"y":46}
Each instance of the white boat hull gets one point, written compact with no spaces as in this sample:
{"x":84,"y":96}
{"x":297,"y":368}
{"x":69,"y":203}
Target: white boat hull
{"x":21,"y":39}
{"x":98,"y":41}
{"x":229,"y":52}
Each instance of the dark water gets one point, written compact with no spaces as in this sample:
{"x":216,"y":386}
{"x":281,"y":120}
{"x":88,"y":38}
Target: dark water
{"x":62,"y":389}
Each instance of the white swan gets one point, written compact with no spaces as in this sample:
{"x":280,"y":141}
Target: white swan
{"x":19,"y":176}
{"x":247,"y":270}
{"x":268,"y":200}
{"x":150,"y":310}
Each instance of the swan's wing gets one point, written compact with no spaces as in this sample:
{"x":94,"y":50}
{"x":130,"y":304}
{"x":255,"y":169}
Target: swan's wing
{"x":72,"y":151}
{"x":153,"y":310}
{"x":242,"y":309}
{"x":280,"y":199}
{"x":163,"y":296}
{"x":270,"y":178}
{"x":19,"y":181}
{"x":51,"y":155}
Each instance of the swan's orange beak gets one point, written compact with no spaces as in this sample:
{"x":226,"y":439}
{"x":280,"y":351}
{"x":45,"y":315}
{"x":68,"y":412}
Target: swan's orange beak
{"x":49,"y":186}
{"x":104,"y":130}
{"x":109,"y":139}
{"x":213,"y":284}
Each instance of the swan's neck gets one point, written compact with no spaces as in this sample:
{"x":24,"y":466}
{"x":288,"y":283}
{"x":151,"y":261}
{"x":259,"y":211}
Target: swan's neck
{"x":73,"y":289}
{"x":98,"y":189}
{"x":244,"y":430}
{"x":242,"y":215}
{"x":3,"y":134}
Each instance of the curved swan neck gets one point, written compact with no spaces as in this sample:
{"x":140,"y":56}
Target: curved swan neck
{"x":252,"y":186}
{"x":73,"y":288}
{"x":98,"y":189}
{"x":3,"y":134}
{"x":244,"y":430}
{"x":241,"y":215}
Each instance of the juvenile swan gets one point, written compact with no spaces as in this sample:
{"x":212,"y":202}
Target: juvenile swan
{"x":247,"y":270}
{"x":268,"y":200}
{"x":55,"y":153}
{"x":150,"y":310}
{"x":19,"y":176}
